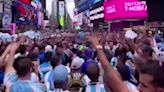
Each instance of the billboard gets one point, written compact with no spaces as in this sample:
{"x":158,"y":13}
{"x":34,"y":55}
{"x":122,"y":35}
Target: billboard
{"x":97,"y":13}
{"x":78,"y":19}
{"x":125,"y":9}
{"x":6,"y":20}
{"x":61,"y":13}
{"x":22,"y":6}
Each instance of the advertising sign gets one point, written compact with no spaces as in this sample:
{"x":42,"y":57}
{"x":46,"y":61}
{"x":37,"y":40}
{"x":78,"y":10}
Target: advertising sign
{"x":61,"y":13}
{"x":97,"y":13}
{"x":125,"y":9}
{"x":61,"y":8}
{"x":6,"y":20}
{"x":78,"y":19}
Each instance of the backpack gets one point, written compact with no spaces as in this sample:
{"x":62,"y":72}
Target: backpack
{"x":76,"y":82}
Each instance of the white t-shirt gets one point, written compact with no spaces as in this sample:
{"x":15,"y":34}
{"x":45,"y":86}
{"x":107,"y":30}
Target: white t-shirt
{"x":131,"y":87}
{"x":34,"y":78}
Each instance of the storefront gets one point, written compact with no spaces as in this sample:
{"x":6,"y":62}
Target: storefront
{"x":126,"y":13}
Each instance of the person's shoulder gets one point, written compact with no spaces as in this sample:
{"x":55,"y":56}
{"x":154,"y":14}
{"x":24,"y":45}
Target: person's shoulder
{"x":36,"y":84}
{"x":19,"y":85}
{"x":47,"y":76}
{"x":39,"y":87}
{"x":131,"y":86}
{"x":10,"y":78}
{"x":27,"y":85}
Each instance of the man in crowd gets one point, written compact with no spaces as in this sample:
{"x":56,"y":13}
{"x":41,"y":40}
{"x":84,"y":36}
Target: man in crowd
{"x":77,"y":79}
{"x":60,"y":78}
{"x":151,"y":78}
{"x":18,"y":73}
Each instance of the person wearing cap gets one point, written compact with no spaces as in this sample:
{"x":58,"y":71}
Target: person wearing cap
{"x":59,"y":77}
{"x":76,"y":74}
{"x":76,"y":64}
{"x":48,"y":48}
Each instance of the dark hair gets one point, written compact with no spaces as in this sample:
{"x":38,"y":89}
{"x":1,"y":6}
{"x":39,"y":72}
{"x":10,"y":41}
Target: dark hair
{"x":23,"y":66}
{"x":108,"y":54}
{"x":124,"y":72}
{"x":41,"y":47}
{"x":154,"y":70}
{"x":55,"y":60}
{"x":33,"y":56}
{"x":148,"y":49}
{"x":59,"y":44}
{"x":48,"y":56}
{"x":93,"y":71}
{"x":122,"y":53}
{"x":22,"y":49}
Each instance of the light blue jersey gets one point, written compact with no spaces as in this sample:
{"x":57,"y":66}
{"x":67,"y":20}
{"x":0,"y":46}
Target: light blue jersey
{"x":16,"y":85}
{"x":95,"y":88}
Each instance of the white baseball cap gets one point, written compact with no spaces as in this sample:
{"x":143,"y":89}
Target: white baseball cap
{"x":77,"y":63}
{"x":48,"y":48}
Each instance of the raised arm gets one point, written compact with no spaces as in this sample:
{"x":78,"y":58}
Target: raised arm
{"x":4,"y":56}
{"x":116,"y":84}
{"x":9,"y":67}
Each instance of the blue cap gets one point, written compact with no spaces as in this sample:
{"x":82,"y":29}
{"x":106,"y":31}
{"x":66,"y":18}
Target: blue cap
{"x":60,"y":74}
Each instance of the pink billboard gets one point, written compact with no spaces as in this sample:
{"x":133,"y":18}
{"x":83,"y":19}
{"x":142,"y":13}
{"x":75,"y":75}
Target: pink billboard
{"x":125,"y":9}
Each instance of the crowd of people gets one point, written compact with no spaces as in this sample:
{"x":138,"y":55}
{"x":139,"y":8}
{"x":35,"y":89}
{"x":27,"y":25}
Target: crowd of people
{"x":84,"y":62}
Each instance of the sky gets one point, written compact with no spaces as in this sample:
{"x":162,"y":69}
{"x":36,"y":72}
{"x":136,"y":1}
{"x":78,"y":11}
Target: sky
{"x":70,"y":5}
{"x":49,"y":6}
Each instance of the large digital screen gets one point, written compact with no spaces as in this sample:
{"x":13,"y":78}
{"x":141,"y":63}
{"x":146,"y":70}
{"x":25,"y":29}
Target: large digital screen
{"x":125,"y":9}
